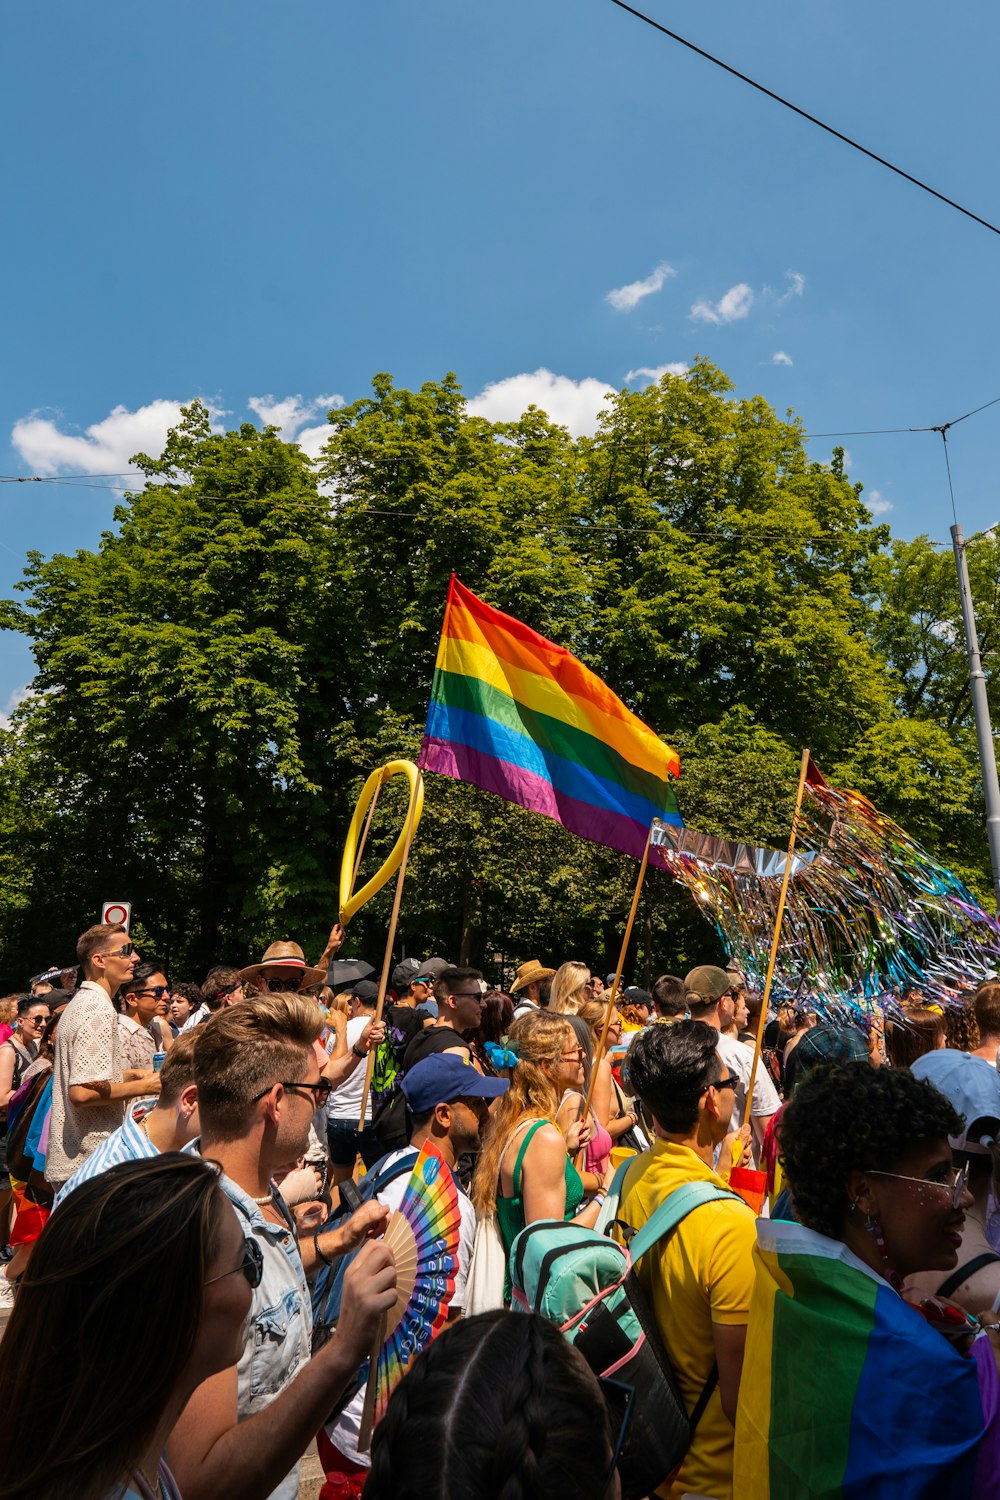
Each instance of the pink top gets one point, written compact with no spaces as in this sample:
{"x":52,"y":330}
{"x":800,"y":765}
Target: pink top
{"x":599,"y":1150}
{"x":6,"y":1032}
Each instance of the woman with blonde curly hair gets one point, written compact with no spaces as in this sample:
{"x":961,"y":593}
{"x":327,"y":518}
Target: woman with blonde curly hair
{"x":525,"y":1171}
{"x":571,"y":987}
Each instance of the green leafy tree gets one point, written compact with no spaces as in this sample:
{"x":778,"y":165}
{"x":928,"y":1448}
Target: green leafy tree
{"x":218,"y":677}
{"x":185,"y":675}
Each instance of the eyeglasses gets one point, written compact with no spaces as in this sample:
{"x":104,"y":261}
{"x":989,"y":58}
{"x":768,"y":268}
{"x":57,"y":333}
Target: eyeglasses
{"x":619,"y":1399}
{"x":725,"y":1083}
{"x":280,"y":984}
{"x":252,"y":1265}
{"x":466,"y":995}
{"x":125,"y":951}
{"x":955,"y":1184}
{"x":158,"y":990}
{"x":577,"y":1055}
{"x":321,"y":1091}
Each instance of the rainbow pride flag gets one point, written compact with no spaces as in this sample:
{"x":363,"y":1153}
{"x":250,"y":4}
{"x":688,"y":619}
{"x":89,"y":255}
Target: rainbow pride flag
{"x":514,"y":714}
{"x":847,"y":1391}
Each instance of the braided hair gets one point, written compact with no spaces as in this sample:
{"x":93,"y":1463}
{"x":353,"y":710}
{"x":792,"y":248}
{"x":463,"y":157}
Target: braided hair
{"x":499,"y":1407}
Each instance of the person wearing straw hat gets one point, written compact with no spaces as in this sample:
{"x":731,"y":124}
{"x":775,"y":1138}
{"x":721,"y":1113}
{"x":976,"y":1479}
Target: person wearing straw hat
{"x":532,"y":984}
{"x":283,"y":968}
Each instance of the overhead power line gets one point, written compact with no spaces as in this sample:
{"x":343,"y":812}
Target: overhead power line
{"x":796,"y":109}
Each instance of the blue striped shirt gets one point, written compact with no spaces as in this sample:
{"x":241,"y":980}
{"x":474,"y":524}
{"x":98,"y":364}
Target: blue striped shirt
{"x":128,"y":1143}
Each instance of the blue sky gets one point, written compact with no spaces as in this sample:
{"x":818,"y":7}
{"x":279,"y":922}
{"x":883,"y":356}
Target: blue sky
{"x":254,"y":204}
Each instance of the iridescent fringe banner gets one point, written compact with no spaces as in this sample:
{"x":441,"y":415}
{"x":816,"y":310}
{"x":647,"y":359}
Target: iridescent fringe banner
{"x":870,"y":914}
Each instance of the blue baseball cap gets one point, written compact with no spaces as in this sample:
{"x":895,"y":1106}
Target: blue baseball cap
{"x":444,"y":1077}
{"x":972,"y":1087}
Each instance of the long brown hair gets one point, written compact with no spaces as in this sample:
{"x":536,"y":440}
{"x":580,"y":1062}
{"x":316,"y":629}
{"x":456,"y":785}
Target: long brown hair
{"x":91,"y":1354}
{"x":538,"y":1038}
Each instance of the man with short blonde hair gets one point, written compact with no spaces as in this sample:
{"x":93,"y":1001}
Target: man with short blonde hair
{"x":259,"y":1085}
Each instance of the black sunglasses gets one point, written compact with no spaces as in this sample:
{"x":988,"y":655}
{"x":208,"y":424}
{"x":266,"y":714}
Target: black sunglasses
{"x":280,"y":984}
{"x":252,"y":1265}
{"x":158,"y":990}
{"x":731,"y":1082}
{"x":321,"y":1090}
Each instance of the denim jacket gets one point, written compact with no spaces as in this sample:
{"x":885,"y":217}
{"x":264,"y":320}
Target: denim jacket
{"x":279,"y":1336}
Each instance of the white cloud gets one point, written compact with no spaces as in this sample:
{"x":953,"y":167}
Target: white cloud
{"x":876,"y":504}
{"x":734,"y":304}
{"x":796,"y":286}
{"x":572,"y":403}
{"x":104,"y":448}
{"x":290,"y":415}
{"x":624,"y":298}
{"x":779,"y":357}
{"x":655,"y":373}
{"x":107,"y":446}
{"x":18,"y":696}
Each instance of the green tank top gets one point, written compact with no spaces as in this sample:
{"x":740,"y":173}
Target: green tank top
{"x":510,"y":1211}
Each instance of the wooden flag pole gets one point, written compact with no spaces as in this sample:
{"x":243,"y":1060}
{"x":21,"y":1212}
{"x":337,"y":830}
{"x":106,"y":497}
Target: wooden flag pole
{"x":603,"y":1042}
{"x":383,"y":983}
{"x":762,"y":1019}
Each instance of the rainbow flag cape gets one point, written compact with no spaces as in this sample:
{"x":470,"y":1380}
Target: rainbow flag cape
{"x":521,"y":717}
{"x":846,"y":1390}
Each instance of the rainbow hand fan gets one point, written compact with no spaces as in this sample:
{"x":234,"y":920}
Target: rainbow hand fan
{"x":423,"y":1237}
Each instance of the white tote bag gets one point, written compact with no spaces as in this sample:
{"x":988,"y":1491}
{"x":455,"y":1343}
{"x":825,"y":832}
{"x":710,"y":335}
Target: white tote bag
{"x":484,"y":1287}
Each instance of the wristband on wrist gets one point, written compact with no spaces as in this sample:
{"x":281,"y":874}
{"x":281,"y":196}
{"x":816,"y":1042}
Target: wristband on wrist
{"x":324,"y":1258}
{"x":360,"y":1055}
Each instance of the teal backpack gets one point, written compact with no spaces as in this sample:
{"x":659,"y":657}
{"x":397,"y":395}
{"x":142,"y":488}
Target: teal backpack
{"x":585,"y":1283}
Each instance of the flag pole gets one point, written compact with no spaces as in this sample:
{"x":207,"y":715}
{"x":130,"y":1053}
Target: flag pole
{"x":762,"y":1018}
{"x":612,"y":999}
{"x":383,"y":983}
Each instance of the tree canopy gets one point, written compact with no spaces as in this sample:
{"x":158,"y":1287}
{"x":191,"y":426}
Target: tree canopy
{"x":216,"y":679}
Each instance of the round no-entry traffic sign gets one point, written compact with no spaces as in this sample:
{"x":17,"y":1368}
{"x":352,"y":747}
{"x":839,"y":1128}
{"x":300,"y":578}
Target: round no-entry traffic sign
{"x":117,"y":913}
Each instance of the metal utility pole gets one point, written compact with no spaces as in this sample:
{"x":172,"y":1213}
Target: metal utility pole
{"x":980,"y":709}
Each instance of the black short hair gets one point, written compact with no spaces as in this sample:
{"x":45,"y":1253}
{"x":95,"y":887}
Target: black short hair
{"x":669,"y":996}
{"x":140,"y":974}
{"x":447,"y":980}
{"x":27,"y":1003}
{"x":670,"y":1067}
{"x":851,"y":1117}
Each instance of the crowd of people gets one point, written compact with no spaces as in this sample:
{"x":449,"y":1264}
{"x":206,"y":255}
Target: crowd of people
{"x":189,"y":1173}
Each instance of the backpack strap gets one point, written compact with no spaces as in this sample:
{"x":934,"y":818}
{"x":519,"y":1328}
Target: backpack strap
{"x":516,"y":1183}
{"x":970,"y":1268}
{"x":671,"y":1211}
{"x":609,"y":1208}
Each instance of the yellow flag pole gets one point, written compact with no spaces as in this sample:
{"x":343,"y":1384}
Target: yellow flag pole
{"x":612,"y":1000}
{"x":383,"y":983}
{"x":776,"y":937}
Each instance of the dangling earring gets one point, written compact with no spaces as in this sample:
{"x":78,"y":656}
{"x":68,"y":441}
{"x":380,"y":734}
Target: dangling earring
{"x":874,"y":1228}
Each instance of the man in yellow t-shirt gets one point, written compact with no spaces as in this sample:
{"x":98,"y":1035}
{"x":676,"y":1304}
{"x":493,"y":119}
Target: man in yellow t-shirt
{"x":700,"y":1277}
